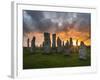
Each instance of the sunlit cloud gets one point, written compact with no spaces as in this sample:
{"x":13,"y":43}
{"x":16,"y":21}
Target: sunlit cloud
{"x":64,"y":24}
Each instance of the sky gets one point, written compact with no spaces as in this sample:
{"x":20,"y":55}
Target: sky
{"x":64,"y":24}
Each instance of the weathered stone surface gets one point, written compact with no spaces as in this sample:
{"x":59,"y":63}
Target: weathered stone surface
{"x":47,"y":43}
{"x":82,"y":51}
{"x":53,"y":40}
{"x":71,"y":42}
{"x":67,"y":50}
{"x":28,"y":43}
{"x":59,"y":45}
{"x":33,"y":44}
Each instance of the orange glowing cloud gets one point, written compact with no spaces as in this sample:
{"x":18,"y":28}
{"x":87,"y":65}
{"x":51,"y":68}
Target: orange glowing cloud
{"x":64,"y":36}
{"x":76,"y":35}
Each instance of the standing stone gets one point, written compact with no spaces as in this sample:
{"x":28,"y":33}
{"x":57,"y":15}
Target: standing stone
{"x":53,"y":40}
{"x":54,"y":50}
{"x":63,"y":44}
{"x":67,"y":43}
{"x":71,"y":45}
{"x":76,"y":42}
{"x":58,"y":42}
{"x":28,"y":43}
{"x":77,"y":46}
{"x":33,"y":44}
{"x":67,"y":49}
{"x":59,"y":45}
{"x":71,"y":42}
{"x":47,"y":43}
{"x":82,"y":51}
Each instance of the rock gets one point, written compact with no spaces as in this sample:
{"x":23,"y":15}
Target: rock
{"x":82,"y":51}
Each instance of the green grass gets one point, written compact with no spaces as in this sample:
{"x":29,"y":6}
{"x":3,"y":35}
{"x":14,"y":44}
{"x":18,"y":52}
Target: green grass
{"x":39,"y":60}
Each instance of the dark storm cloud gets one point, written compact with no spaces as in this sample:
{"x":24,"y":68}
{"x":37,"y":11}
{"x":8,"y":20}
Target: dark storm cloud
{"x":84,"y":22}
{"x":35,"y":21}
{"x":55,"y":21}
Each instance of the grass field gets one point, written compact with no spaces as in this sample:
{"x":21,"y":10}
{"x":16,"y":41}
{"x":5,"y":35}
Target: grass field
{"x":40,"y":60}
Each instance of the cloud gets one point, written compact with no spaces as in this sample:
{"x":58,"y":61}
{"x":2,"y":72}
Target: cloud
{"x":49,"y":21}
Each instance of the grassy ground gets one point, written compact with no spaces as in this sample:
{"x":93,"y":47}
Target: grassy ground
{"x":39,"y":60}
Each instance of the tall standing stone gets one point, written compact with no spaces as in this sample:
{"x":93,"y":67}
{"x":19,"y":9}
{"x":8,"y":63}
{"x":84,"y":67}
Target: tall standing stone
{"x":28,"y":43}
{"x":71,"y":42}
{"x":59,"y":45}
{"x":33,"y":44}
{"x":54,"y":49}
{"x":71,"y":45}
{"x":67,"y":43}
{"x":77,"y":46}
{"x":53,"y":40}
{"x":63,"y":44}
{"x":58,"y":42}
{"x":67,"y":49}
{"x":76,"y":42}
{"x":47,"y":42}
{"x":82,"y":51}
